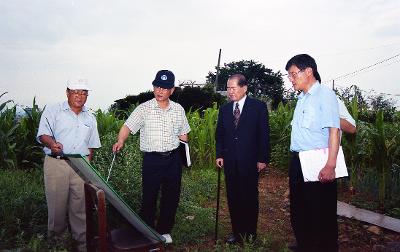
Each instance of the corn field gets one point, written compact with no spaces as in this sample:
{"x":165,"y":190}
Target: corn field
{"x":372,"y":154}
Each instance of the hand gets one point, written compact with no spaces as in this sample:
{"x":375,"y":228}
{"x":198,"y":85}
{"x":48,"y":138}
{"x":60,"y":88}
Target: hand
{"x":219,"y":162}
{"x":327,"y":174}
{"x":117,"y":146}
{"x":56,"y":148}
{"x":261,"y":166}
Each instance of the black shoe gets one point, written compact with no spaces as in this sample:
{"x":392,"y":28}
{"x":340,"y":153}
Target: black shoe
{"x":231,"y":239}
{"x":292,"y":246}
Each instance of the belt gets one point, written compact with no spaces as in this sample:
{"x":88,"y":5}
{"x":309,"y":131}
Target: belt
{"x":58,"y":157}
{"x":163,"y":154}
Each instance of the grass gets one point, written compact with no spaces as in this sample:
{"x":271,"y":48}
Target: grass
{"x":23,"y":207}
{"x":25,"y":212}
{"x":195,"y":219}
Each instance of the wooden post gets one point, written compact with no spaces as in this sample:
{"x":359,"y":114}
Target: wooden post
{"x":216,"y":76}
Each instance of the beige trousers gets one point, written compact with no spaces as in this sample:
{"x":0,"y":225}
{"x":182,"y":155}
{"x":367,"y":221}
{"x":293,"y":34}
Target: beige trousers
{"x":64,"y":192}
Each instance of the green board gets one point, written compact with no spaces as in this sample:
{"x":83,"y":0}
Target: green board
{"x":89,"y":174}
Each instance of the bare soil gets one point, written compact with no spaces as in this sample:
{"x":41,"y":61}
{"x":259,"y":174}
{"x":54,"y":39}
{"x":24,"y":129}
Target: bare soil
{"x":274,"y":221}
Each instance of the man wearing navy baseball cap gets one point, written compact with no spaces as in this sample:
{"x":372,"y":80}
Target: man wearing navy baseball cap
{"x":162,"y":123}
{"x":164,"y":79}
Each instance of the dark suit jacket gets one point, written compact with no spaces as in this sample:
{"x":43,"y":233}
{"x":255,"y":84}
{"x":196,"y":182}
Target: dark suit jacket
{"x":248,"y":144}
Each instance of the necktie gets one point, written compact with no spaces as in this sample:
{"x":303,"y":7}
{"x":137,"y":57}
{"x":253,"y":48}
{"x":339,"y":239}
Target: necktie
{"x":236,"y":115}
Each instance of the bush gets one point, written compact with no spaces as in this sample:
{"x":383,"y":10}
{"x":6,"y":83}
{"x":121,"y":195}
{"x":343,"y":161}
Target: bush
{"x":126,"y":173}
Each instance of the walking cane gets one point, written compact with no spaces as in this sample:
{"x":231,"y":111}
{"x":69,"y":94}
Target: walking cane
{"x":217,"y":212}
{"x":111,"y":166}
{"x":219,"y":168}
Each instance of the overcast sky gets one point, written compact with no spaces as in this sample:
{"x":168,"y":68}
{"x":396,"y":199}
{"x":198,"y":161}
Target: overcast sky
{"x":120,"y":45}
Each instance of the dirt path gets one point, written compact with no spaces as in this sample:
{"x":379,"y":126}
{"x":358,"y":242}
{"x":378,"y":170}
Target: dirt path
{"x":274,"y":221}
{"x":274,"y":218}
{"x":274,"y":208}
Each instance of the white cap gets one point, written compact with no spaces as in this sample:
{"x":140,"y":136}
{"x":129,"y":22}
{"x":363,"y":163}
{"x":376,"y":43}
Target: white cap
{"x":78,"y":84}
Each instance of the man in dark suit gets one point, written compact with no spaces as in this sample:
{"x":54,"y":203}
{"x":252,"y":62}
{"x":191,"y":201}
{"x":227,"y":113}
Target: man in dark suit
{"x":242,"y":149}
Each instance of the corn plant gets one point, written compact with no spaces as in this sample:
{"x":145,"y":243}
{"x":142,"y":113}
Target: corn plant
{"x":107,"y":122}
{"x":382,"y":152}
{"x":29,"y":151}
{"x":8,"y":126}
{"x":280,"y":129}
{"x":349,"y":143}
{"x":202,"y":136}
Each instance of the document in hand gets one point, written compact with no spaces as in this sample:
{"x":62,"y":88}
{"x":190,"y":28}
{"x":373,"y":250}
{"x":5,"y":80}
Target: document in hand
{"x":185,"y":153}
{"x":312,"y":162}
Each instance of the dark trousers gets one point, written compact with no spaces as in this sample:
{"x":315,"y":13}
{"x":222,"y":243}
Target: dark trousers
{"x":242,"y":195}
{"x":161,"y":173}
{"x":313,"y":207}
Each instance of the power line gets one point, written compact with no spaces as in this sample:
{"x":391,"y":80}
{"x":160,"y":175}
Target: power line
{"x":370,"y":68}
{"x":381,"y":66}
{"x":364,"y":68}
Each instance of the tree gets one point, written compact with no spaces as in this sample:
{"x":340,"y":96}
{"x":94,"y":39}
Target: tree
{"x":262,"y":81}
{"x":191,"y":98}
{"x":348,"y":93}
{"x":369,"y":105}
{"x":197,"y":98}
{"x":380,"y":103}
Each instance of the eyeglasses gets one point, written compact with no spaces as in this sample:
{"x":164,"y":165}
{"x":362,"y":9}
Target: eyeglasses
{"x":157,"y":88}
{"x":294,"y":74}
{"x":79,"y":92}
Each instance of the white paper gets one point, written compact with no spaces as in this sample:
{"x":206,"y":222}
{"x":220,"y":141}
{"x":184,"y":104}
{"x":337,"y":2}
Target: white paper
{"x":313,"y":161}
{"x":187,"y":153}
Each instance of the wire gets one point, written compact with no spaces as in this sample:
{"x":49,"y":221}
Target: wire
{"x":364,"y":68}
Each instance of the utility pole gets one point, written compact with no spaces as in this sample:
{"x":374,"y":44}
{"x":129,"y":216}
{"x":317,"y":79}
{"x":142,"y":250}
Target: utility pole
{"x":216,"y":76}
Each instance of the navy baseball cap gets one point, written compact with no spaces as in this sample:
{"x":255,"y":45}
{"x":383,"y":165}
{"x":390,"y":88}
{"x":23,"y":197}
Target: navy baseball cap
{"x":164,"y":79}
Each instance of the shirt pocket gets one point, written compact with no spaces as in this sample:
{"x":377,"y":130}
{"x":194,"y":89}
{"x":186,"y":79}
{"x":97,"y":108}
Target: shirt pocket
{"x":310,"y":119}
{"x":176,"y":125}
{"x":85,"y":130}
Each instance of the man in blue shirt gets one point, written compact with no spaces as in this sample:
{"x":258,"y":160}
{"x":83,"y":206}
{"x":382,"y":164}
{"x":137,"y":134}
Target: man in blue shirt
{"x":315,"y":125}
{"x":67,"y":128}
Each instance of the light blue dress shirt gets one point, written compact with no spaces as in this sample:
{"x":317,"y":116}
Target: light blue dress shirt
{"x":316,"y":111}
{"x":77,"y":133}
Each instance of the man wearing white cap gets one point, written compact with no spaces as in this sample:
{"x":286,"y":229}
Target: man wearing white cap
{"x":67,"y":128}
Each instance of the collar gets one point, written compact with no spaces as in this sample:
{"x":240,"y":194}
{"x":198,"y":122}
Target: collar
{"x":314,"y":88}
{"x":241,"y":103}
{"x":154,"y":104}
{"x":65,"y":106}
